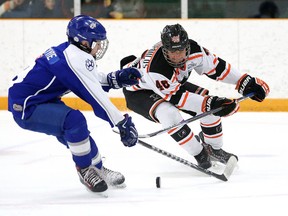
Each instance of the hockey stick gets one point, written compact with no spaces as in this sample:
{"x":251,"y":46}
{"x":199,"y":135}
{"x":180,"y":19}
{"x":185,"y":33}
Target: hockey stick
{"x":224,"y":176}
{"x":194,"y":118}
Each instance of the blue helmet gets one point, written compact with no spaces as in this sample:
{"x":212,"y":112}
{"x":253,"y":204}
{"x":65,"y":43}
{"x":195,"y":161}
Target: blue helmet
{"x":86,"y":28}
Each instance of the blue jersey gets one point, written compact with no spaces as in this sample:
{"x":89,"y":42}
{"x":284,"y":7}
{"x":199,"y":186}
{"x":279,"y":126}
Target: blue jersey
{"x":62,"y":69}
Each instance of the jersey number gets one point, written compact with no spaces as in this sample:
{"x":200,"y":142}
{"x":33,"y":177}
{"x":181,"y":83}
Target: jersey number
{"x":162,"y":84}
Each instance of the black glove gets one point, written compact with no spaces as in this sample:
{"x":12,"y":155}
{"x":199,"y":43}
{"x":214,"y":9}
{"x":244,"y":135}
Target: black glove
{"x":248,"y":84}
{"x":128,"y":132}
{"x":214,"y":102}
{"x":123,"y":78}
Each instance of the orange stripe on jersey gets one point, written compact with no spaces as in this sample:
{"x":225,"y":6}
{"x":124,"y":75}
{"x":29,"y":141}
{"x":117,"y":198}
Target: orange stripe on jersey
{"x":225,"y":74}
{"x":195,"y":56}
{"x":205,"y":92}
{"x":184,"y":100}
{"x":152,"y":110}
{"x":215,"y":61}
{"x":189,"y":138}
{"x":135,"y":88}
{"x":174,"y":78}
{"x":212,"y":124}
{"x":211,"y":71}
{"x":171,"y":92}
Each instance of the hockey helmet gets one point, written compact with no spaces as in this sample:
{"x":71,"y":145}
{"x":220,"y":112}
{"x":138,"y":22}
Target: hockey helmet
{"x":86,"y":28}
{"x":175,"y":38}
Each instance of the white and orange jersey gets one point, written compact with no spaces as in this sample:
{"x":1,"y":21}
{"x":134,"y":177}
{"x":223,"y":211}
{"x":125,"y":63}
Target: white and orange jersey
{"x":166,"y":80}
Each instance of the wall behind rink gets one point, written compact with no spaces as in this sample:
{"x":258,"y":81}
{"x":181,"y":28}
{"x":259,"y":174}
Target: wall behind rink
{"x":258,"y":47}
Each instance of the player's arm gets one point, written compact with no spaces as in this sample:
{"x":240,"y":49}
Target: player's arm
{"x":215,"y":67}
{"x":219,"y":70}
{"x":118,"y":79}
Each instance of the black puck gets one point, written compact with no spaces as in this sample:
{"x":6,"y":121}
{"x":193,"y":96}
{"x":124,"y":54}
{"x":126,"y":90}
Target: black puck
{"x":158,"y":182}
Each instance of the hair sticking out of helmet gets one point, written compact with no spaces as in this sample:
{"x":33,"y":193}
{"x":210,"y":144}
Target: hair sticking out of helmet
{"x":175,"y":38}
{"x":85,"y":28}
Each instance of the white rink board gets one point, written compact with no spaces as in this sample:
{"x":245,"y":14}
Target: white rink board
{"x":258,"y":47}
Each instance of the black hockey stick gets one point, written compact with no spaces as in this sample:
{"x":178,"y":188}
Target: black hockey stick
{"x":224,"y":176}
{"x":194,"y":118}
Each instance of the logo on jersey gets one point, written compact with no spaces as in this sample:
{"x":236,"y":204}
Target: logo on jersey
{"x":155,"y":97}
{"x":190,"y":66}
{"x":51,"y":56}
{"x":17,"y":107}
{"x":89,"y":64}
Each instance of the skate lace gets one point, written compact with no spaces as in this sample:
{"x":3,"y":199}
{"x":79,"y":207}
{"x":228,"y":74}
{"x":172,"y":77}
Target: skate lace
{"x":92,"y":177}
{"x":220,"y":154}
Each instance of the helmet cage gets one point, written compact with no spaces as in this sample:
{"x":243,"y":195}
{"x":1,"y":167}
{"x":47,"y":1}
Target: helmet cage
{"x":176,"y":64}
{"x":102,"y":48}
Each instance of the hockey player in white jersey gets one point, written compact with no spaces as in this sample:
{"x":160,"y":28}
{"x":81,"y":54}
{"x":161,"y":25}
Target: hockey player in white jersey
{"x":166,"y":68}
{"x":35,"y":98}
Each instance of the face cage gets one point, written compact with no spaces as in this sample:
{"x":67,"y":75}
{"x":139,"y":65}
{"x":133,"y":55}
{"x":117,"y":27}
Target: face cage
{"x":173,"y":64}
{"x":103,"y":46}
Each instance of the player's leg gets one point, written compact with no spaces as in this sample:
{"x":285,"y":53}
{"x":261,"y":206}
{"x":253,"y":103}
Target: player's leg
{"x":70,"y":127}
{"x":212,"y":134}
{"x":158,"y":110}
{"x":169,"y":115}
{"x":86,"y":154}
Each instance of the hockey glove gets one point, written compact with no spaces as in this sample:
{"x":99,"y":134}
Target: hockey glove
{"x":123,"y":78}
{"x":128,"y":132}
{"x":213,"y":102}
{"x":248,"y":84}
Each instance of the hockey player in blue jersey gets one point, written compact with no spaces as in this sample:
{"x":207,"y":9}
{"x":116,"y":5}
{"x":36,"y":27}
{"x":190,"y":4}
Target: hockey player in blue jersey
{"x":35,"y":98}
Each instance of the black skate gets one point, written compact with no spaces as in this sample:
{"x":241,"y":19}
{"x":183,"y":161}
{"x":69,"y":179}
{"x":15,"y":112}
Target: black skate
{"x":113,"y":178}
{"x":217,"y":155}
{"x":203,"y":159}
{"x":91,"y":179}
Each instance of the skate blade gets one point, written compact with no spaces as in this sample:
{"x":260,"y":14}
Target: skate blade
{"x":103,"y":194}
{"x":121,"y":186}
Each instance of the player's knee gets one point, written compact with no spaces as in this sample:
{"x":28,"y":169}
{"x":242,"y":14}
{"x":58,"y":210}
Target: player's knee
{"x":75,"y":127}
{"x":167,"y":114}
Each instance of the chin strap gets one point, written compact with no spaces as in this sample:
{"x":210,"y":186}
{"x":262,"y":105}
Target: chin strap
{"x":80,"y":46}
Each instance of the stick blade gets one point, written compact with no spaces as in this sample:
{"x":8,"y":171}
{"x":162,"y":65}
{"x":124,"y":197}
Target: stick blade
{"x":230,"y":166}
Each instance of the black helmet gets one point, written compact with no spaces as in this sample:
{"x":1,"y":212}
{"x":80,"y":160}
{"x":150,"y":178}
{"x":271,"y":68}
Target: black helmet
{"x":175,"y":38}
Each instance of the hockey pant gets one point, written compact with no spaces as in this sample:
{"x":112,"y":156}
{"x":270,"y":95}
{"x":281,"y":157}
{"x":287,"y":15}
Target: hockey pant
{"x":69,"y":127}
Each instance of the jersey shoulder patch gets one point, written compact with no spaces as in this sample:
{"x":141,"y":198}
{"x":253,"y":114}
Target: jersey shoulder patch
{"x":51,"y":56}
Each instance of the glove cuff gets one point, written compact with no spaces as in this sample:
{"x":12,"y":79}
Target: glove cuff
{"x":242,"y":83}
{"x":206,"y":104}
{"x":112,"y":80}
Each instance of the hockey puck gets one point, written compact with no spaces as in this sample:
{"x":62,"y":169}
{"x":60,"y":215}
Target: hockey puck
{"x":158,"y":182}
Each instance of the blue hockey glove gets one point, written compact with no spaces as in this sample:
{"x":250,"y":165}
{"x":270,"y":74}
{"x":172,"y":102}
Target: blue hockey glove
{"x":128,"y":132}
{"x":248,"y":84}
{"x":214,"y":102}
{"x":123,"y":78}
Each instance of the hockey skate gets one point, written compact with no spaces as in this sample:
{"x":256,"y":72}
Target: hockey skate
{"x":216,"y":155}
{"x":203,"y":159}
{"x":112,"y":178}
{"x":91,"y":179}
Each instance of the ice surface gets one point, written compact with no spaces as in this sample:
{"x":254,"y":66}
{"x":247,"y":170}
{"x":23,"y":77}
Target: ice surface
{"x":38,"y":176}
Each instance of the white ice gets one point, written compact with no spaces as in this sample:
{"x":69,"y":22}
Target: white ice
{"x":38,"y":176}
